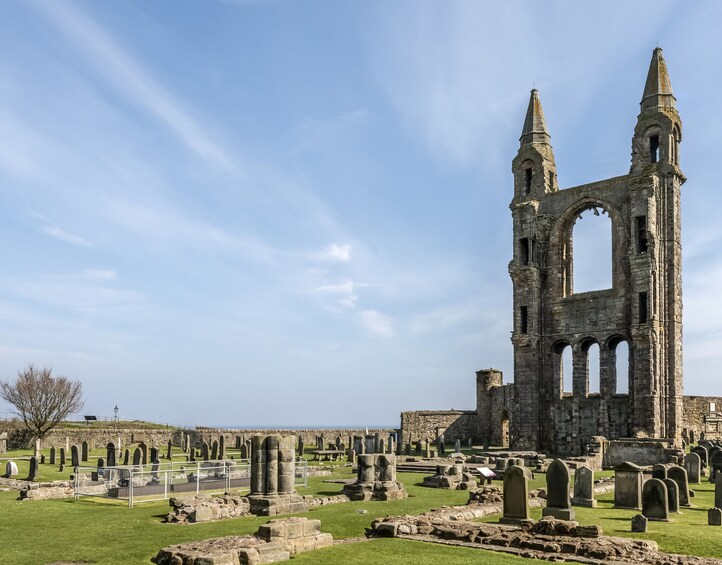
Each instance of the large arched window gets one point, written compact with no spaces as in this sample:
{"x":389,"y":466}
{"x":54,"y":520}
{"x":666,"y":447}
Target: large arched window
{"x":619,"y":365}
{"x":592,"y":350}
{"x":592,"y":251}
{"x":563,"y":366}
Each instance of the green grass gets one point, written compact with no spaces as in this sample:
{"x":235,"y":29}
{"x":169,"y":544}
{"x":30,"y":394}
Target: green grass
{"x":107,"y":532}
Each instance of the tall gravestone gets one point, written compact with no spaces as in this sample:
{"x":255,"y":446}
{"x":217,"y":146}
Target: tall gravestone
{"x":33,"y":472}
{"x":559,"y":505}
{"x":52,"y":456}
{"x":655,"y":502}
{"x":718,"y":491}
{"x":143,"y":453}
{"x":126,"y":456}
{"x":701,"y":450}
{"x":457,"y":446}
{"x":672,"y":495}
{"x":238,"y":442}
{"x":221,"y":448}
{"x":516,"y":496}
{"x":301,"y":447}
{"x":110,"y":454}
{"x":169,"y":450}
{"x":679,"y":476}
{"x":418,"y":448}
{"x":715,"y":463}
{"x":628,"y":486}
{"x":584,"y":488}
{"x":214,"y":450}
{"x":62,"y":456}
{"x":693,"y":465}
{"x":137,"y":456}
{"x":205,"y":455}
{"x":244,"y":451}
{"x":153,"y":454}
{"x":84,"y":451}
{"x":74,"y":456}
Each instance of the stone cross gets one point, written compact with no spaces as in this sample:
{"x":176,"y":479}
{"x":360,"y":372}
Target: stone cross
{"x":558,"y":503}
{"x":584,"y":488}
{"x":516,"y":496}
{"x":679,"y":476}
{"x":693,"y":465}
{"x":655,"y":500}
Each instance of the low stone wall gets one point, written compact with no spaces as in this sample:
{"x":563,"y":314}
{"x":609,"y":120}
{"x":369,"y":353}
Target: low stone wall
{"x":638,"y":451}
{"x":20,"y":438}
{"x":277,"y":540}
{"x":425,"y":424}
{"x":204,"y":508}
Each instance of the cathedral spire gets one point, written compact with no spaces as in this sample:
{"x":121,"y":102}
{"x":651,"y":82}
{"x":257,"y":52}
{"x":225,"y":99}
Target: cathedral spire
{"x":658,"y":88}
{"x":535,"y":127}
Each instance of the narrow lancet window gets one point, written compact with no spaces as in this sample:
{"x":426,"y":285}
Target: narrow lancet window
{"x":524,"y":322}
{"x":654,"y":148}
{"x":643,"y":307}
{"x":527,"y":180}
{"x":524,"y":251}
{"x":641,"y":227}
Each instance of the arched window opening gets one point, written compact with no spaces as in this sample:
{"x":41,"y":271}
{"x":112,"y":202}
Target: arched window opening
{"x":593,"y":367}
{"x":622,"y":367}
{"x":592,"y":249}
{"x":567,"y":369}
{"x":654,"y":148}
{"x":504,"y":428}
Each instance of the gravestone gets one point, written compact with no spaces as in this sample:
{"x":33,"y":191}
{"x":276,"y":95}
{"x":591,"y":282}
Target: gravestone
{"x":74,"y":456}
{"x":391,"y":445}
{"x":715,"y":463}
{"x":382,"y":447}
{"x":701,"y":450}
{"x":137,"y":457}
{"x":153,"y":454}
{"x":188,"y":442}
{"x":407,"y":449}
{"x":143,"y":453}
{"x":169,"y":450}
{"x":718,"y":491}
{"x":154,"y":471}
{"x":244,"y":451}
{"x":679,"y":476}
{"x":205,"y":455}
{"x":702,"y":436}
{"x":672,"y":495}
{"x":558,"y":503}
{"x":584,"y":488}
{"x":441,"y":446}
{"x":214,"y":450}
{"x":110,"y":454}
{"x":639,"y":523}
{"x":419,"y":448}
{"x":516,"y":496}
{"x":714,"y":517}
{"x":84,"y":451}
{"x":33,"y":472}
{"x":457,"y":446}
{"x":42,"y":459}
{"x":693,"y":465}
{"x":377,"y":443}
{"x":655,"y":505}
{"x":351,"y":455}
{"x":659,"y":471}
{"x":370,"y":445}
{"x":427,"y":449}
{"x":62,"y":456}
{"x":126,"y":456}
{"x":628,"y":486}
{"x":338,"y":442}
{"x":11,"y":469}
{"x":691,"y":436}
{"x":221,"y":448}
{"x":301,"y":447}
{"x":52,"y":456}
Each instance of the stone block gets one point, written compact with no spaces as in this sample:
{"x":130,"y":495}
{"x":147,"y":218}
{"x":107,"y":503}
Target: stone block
{"x":273,"y":551}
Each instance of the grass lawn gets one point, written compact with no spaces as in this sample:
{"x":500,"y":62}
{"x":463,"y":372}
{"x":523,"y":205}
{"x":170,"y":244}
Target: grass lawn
{"x":107,"y":532}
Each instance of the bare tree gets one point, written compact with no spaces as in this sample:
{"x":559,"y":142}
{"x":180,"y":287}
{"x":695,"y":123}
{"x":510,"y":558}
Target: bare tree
{"x":42,"y":400}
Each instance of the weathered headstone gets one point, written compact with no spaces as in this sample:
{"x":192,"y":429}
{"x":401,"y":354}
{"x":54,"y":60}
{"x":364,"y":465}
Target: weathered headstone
{"x":74,"y":456}
{"x":407,"y":449}
{"x":205,"y":455}
{"x":659,"y":471}
{"x":377,"y":443}
{"x":33,"y":472}
{"x":221,"y":448}
{"x":137,"y":456}
{"x":11,"y":469}
{"x":52,"y":456}
{"x":382,"y":448}
{"x":693,"y":465}
{"x":126,"y":456}
{"x":62,"y":456}
{"x":244,"y":451}
{"x":441,"y":445}
{"x":516,"y":496}
{"x":718,"y":491}
{"x":419,"y":448}
{"x":169,"y":450}
{"x":691,"y":436}
{"x":714,"y":517}
{"x":558,"y":503}
{"x":143,"y":453}
{"x":701,"y":450}
{"x":715,"y":463}
{"x":427,"y":449}
{"x":301,"y":446}
{"x":110,"y":454}
{"x":84,"y":451}
{"x":655,"y":505}
{"x":36,"y":450}
{"x":679,"y":476}
{"x":584,"y":488}
{"x":672,"y":495}
{"x":639,"y":523}
{"x":153,"y":454}
{"x":457,"y":446}
{"x":42,"y":459}
{"x":628,"y":486}
{"x":351,"y":455}
{"x":370,"y":445}
{"x":238,"y":442}
{"x":338,"y":442}
{"x":214,"y":450}
{"x":154,"y":470}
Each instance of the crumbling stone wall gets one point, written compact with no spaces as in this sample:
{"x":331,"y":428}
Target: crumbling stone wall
{"x":428,"y":424}
{"x":699,"y":418}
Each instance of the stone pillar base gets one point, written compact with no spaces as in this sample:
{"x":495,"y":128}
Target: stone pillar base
{"x":559,"y":513}
{"x":586,"y":502}
{"x":273,"y":505}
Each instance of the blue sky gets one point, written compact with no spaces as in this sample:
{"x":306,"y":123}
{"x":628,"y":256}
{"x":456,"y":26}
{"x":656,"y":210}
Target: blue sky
{"x":296,"y":213}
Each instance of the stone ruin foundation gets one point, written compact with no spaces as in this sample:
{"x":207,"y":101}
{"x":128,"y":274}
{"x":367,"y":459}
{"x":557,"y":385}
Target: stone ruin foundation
{"x":451,"y":477}
{"x":376,"y":479}
{"x":277,"y":540}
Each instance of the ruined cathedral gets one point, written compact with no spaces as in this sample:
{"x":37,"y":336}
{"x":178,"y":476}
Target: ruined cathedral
{"x":642,"y":309}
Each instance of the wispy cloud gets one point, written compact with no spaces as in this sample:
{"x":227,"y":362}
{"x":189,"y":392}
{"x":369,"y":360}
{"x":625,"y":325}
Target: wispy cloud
{"x":344,"y":293}
{"x":377,"y":324}
{"x":130,"y":78}
{"x":340,"y":252}
{"x":67,"y":237}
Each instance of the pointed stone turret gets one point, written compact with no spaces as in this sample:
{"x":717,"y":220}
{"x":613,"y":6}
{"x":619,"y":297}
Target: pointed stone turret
{"x":535,"y":127}
{"x":658,"y":88}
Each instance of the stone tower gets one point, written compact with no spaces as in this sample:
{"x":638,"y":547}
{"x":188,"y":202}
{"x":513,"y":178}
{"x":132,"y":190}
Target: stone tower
{"x":643,"y":308}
